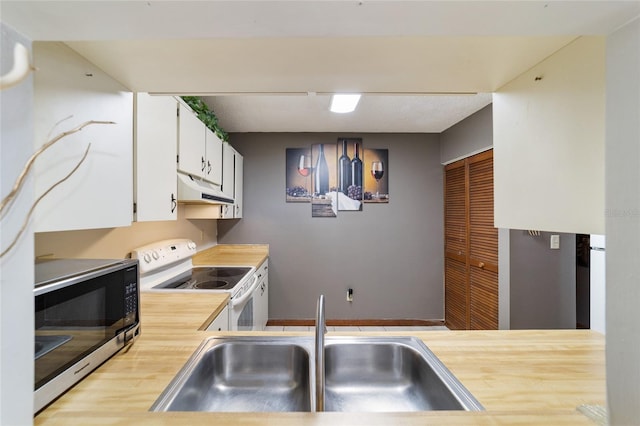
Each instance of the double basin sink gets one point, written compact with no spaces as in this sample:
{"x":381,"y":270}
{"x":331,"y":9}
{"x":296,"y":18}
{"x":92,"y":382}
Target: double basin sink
{"x":366,"y":374}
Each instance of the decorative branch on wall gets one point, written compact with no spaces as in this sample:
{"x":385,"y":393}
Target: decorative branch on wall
{"x":337,"y":177}
{"x":35,"y":204}
{"x":8,"y":200}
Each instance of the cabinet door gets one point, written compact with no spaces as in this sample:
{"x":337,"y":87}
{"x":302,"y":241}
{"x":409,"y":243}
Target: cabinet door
{"x":239,"y":170}
{"x":213,"y":151}
{"x":226,"y":211}
{"x":69,"y":91}
{"x":221,"y":323}
{"x":156,"y":124}
{"x":228,"y":170}
{"x":261,"y":298}
{"x":191,"y":143}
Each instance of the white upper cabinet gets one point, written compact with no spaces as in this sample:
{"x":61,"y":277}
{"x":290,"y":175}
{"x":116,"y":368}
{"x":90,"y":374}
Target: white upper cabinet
{"x":239,"y":170}
{"x":213,"y":157}
{"x":199,"y":149}
{"x":68,"y":91}
{"x":232,"y":181}
{"x":228,"y":179}
{"x":155,"y":183}
{"x":191,"y":143}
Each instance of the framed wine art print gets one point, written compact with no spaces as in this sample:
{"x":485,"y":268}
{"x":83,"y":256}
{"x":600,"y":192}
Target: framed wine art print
{"x":298,"y":175}
{"x":337,"y":177}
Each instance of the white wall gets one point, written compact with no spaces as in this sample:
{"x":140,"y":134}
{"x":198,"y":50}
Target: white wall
{"x":16,"y":267}
{"x":623,"y":224}
{"x":549,"y":143}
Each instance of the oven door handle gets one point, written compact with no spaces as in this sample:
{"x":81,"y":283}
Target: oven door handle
{"x":247,"y":295}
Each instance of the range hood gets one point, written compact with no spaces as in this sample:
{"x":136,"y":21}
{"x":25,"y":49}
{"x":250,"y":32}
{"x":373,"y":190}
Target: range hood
{"x":194,"y":190}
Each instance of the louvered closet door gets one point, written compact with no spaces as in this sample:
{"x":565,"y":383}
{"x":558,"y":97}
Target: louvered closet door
{"x":471,"y":244}
{"x":483,"y":245}
{"x":456,"y":269}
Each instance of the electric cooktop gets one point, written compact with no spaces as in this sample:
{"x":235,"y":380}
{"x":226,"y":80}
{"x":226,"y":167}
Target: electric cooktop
{"x":207,"y":278}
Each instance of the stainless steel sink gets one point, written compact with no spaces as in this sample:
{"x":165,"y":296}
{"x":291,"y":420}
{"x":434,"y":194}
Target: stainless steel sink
{"x":276,"y":373}
{"x":398,"y":374}
{"x":241,"y":375}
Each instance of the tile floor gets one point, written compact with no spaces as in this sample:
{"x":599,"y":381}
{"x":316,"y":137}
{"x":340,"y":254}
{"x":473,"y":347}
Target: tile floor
{"x":347,"y":329}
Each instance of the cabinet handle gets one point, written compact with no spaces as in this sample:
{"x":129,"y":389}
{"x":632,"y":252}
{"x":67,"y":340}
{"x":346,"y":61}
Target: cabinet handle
{"x":203,"y":164}
{"x":208,"y":167}
{"x":481,"y":265}
{"x":174,"y":203}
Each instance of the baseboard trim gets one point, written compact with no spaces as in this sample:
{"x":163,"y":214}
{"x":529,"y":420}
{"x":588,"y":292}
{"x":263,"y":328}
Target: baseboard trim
{"x":357,"y":322}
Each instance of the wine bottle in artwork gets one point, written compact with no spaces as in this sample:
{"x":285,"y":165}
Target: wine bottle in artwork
{"x":344,"y":169}
{"x":321,"y":178}
{"x":356,"y":174}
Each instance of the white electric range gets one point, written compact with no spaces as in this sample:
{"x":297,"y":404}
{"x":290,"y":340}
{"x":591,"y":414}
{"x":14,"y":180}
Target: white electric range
{"x":167,"y":266}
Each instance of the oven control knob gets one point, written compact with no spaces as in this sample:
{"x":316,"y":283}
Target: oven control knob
{"x":146,"y":257}
{"x":155,"y":255}
{"x":191,"y":245}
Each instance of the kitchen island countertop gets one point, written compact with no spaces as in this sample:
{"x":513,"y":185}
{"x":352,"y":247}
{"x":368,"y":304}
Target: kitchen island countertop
{"x":521,"y":377}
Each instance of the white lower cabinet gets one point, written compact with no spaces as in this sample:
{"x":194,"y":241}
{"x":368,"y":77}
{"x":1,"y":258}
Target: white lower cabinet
{"x":221,"y":323}
{"x":261,"y":298}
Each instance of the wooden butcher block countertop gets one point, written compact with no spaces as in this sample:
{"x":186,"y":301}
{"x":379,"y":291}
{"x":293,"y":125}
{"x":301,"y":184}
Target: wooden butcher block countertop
{"x":521,"y":377}
{"x":233,"y":255}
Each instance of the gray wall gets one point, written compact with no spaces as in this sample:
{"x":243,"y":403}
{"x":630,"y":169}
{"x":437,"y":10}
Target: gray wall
{"x":543,"y":281}
{"x":391,"y":255}
{"x":16,"y":277}
{"x":622,"y":216}
{"x":472,"y":135}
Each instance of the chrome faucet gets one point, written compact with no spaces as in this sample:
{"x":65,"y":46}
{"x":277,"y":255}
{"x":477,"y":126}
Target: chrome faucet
{"x":320,"y":331}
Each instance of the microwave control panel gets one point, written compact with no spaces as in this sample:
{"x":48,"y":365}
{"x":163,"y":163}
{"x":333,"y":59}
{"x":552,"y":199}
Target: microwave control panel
{"x":131,"y":296}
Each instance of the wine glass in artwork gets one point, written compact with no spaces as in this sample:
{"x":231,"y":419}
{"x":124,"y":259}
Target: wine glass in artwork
{"x":305,"y":168}
{"x":377,"y":171}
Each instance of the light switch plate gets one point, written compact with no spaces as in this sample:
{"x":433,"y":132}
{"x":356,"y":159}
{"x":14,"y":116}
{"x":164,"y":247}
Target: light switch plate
{"x":555,"y":242}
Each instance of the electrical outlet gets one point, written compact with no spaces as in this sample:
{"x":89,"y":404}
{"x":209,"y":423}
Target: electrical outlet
{"x":555,"y":242}
{"x":350,"y":295}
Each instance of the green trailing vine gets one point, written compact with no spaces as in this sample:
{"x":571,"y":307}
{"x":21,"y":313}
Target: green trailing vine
{"x":206,"y":116}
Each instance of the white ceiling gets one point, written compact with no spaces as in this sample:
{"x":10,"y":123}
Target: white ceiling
{"x":270,"y":65}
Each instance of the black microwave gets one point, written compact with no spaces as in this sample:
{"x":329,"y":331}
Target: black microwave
{"x":86,"y":310}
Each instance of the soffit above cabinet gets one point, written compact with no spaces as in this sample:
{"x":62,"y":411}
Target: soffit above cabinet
{"x":279,"y":47}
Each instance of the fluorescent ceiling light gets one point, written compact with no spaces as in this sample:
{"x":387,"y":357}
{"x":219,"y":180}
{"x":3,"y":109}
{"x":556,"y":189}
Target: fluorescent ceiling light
{"x":344,"y":103}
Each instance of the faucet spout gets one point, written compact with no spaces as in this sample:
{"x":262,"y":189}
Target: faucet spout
{"x":320,"y":331}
